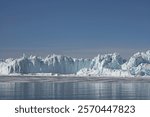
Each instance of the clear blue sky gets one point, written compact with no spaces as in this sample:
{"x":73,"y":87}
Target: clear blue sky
{"x":74,"y":27}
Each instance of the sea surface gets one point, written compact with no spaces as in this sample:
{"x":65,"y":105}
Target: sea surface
{"x":73,"y":88}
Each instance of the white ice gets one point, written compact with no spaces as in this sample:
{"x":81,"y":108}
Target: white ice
{"x":102,"y":65}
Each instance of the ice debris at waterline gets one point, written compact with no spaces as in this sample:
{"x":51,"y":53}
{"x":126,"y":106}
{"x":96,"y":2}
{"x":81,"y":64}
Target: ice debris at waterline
{"x":102,"y":65}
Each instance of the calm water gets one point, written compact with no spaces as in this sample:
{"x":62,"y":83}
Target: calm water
{"x":73,"y":88}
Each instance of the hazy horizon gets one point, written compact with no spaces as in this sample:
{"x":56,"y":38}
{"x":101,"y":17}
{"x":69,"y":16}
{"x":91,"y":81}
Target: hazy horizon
{"x":15,"y":53}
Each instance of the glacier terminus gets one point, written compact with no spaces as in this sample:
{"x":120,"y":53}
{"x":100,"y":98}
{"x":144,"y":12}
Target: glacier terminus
{"x":112,"y":65}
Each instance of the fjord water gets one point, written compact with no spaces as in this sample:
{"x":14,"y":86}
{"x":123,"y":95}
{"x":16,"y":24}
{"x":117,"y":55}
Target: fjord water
{"x":74,"y":88}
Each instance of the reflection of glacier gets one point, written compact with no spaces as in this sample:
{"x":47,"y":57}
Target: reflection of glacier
{"x":102,"y":65}
{"x":75,"y":90}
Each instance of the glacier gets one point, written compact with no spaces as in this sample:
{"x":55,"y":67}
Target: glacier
{"x":112,"y":65}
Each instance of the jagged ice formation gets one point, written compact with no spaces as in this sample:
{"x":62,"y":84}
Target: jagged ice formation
{"x":102,"y":65}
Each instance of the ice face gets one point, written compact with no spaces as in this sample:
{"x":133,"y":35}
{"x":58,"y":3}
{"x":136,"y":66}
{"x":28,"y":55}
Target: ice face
{"x":105,"y":65}
{"x":51,"y":64}
{"x":101,"y":65}
{"x":110,"y":61}
{"x":138,"y":64}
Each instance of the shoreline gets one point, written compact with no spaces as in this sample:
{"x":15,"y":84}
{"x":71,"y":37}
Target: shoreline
{"x":65,"y":79}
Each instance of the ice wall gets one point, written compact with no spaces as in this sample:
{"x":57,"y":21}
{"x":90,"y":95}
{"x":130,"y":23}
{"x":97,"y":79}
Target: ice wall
{"x":102,"y":65}
{"x":50,"y":64}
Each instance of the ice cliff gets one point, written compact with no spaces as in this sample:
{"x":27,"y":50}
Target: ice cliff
{"x":50,"y":64}
{"x":102,"y":65}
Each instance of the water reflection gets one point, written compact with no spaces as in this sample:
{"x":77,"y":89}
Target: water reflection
{"x":75,"y":90}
